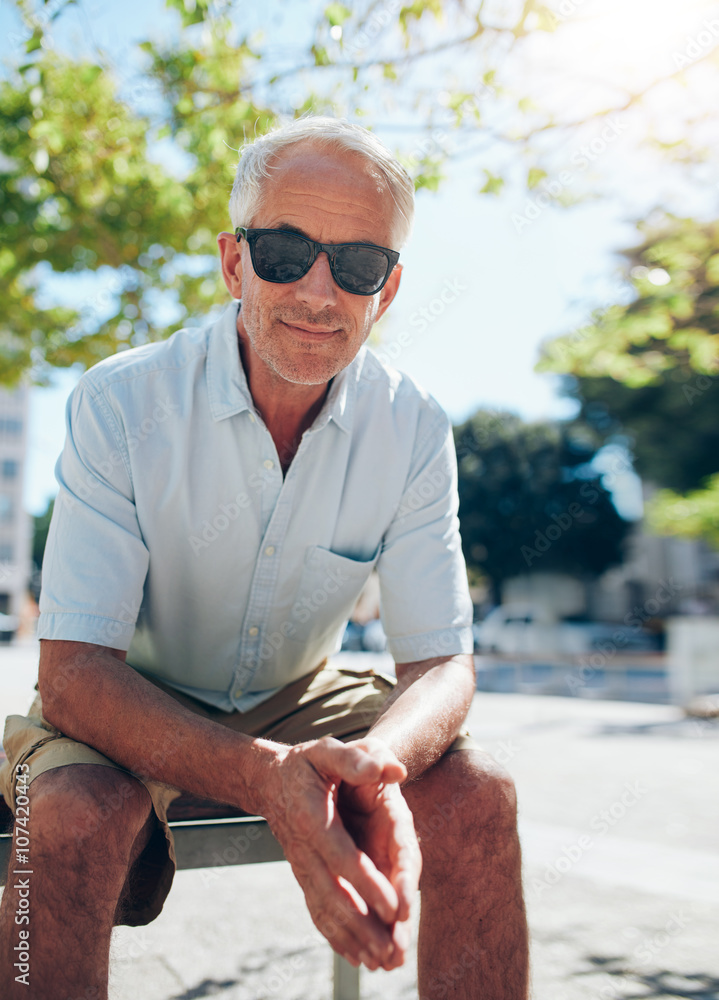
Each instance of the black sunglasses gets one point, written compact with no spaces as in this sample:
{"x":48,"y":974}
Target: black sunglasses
{"x":281,"y":257}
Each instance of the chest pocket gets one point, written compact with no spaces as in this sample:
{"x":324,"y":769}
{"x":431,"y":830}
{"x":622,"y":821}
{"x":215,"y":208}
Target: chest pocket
{"x":329,"y":587}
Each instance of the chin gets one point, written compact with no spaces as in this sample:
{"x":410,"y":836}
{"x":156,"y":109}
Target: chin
{"x":309,"y":374}
{"x":315,"y":368}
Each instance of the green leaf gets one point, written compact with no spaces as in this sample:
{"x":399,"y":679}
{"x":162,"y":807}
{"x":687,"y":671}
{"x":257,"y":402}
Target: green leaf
{"x":321,"y":55}
{"x":337,"y":14}
{"x":34,"y":42}
{"x":191,"y":11}
{"x":712,"y":269}
{"x":493,"y":184}
{"x":535,"y":175}
{"x":89,"y":74}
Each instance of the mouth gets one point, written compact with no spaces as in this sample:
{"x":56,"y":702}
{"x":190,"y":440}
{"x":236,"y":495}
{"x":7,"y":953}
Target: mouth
{"x":310,"y":332}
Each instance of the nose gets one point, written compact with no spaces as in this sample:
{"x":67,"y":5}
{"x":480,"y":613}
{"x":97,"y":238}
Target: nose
{"x":317,"y":288}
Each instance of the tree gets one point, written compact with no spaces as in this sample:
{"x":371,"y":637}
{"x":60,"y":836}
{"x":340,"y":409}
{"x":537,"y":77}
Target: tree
{"x":82,"y":191}
{"x":650,"y":368}
{"x":672,"y":427}
{"x":529,"y":500}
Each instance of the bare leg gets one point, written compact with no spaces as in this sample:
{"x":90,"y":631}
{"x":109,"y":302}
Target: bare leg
{"x":473,"y":939}
{"x":87,"y":824}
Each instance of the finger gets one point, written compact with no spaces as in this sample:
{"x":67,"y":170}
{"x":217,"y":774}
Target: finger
{"x":344,"y":859}
{"x":405,"y":874}
{"x":321,"y":831}
{"x":393,"y":770}
{"x":405,"y":855}
{"x":340,"y":914}
{"x":355,"y":763}
{"x":401,"y":937}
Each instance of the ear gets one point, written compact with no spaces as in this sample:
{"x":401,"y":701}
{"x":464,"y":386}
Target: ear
{"x":231,"y":258}
{"x":389,"y":291}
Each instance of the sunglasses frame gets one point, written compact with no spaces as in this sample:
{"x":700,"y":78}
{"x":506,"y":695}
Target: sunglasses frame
{"x":251,"y":235}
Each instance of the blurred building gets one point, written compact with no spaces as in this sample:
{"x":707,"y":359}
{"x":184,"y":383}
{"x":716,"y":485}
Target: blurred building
{"x":661,"y":577}
{"x":15,"y":523}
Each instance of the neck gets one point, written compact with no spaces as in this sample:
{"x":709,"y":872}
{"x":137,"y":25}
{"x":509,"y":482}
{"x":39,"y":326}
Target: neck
{"x":288,"y":409}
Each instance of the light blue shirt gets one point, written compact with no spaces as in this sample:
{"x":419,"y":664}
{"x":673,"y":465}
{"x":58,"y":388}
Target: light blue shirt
{"x":176,"y":537}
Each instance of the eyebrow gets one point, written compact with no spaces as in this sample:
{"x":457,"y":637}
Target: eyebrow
{"x":287,"y":227}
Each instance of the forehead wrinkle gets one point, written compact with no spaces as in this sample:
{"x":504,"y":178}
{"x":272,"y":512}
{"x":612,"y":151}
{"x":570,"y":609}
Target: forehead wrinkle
{"x":327,"y":196}
{"x":367,"y":220}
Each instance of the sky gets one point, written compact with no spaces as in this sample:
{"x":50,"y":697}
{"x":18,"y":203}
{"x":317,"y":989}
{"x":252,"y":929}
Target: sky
{"x":480,"y":290}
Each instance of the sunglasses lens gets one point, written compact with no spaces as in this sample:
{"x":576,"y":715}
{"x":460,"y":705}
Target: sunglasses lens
{"x":283,"y":257}
{"x":360,"y":270}
{"x":280,"y":257}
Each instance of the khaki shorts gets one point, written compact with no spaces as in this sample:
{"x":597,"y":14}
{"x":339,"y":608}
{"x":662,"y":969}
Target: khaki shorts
{"x":330,"y":701}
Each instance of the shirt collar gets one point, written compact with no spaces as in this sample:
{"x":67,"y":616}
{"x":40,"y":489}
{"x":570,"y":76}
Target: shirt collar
{"x":229,"y":392}
{"x":227,"y":387}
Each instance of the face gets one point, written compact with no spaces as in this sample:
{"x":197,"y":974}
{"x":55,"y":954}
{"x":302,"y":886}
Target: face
{"x":308,"y":330}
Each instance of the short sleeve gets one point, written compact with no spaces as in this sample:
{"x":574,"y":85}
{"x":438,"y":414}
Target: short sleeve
{"x":426,"y":607}
{"x":95,"y":560}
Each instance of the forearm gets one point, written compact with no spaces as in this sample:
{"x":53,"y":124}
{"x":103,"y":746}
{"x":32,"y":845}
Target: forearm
{"x":93,"y":696}
{"x":425,"y":712}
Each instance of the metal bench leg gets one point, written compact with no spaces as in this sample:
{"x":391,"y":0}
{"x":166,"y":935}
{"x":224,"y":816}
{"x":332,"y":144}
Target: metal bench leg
{"x":346,"y":979}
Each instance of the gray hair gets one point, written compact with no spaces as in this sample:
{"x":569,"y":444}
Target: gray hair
{"x":335,"y":134}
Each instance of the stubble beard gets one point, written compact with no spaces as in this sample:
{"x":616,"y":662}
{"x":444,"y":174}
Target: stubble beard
{"x":304,"y":363}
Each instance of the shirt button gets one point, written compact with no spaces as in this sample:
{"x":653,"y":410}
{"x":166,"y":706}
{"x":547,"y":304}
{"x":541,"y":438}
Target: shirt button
{"x":270,"y":550}
{"x":254,"y":630}
{"x":252,"y":418}
{"x":269,"y":464}
{"x":238,"y":693}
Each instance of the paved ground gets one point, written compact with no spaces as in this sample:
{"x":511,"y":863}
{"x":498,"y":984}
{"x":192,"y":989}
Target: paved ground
{"x":620,"y":831}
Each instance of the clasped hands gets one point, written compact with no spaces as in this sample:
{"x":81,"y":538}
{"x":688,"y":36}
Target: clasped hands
{"x":338,"y":812}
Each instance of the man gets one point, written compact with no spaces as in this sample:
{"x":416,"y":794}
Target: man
{"x":224,"y":496}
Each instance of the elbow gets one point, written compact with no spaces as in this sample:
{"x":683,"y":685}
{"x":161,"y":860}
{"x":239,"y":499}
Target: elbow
{"x":62,"y":669}
{"x":65,"y":671}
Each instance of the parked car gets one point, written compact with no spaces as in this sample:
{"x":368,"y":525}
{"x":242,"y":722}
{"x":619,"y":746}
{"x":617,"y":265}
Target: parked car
{"x":528,"y":630}
{"x":515,"y":628}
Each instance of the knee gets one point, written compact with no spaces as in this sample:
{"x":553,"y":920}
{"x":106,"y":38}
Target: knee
{"x":469,"y":800}
{"x":75,"y":807}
